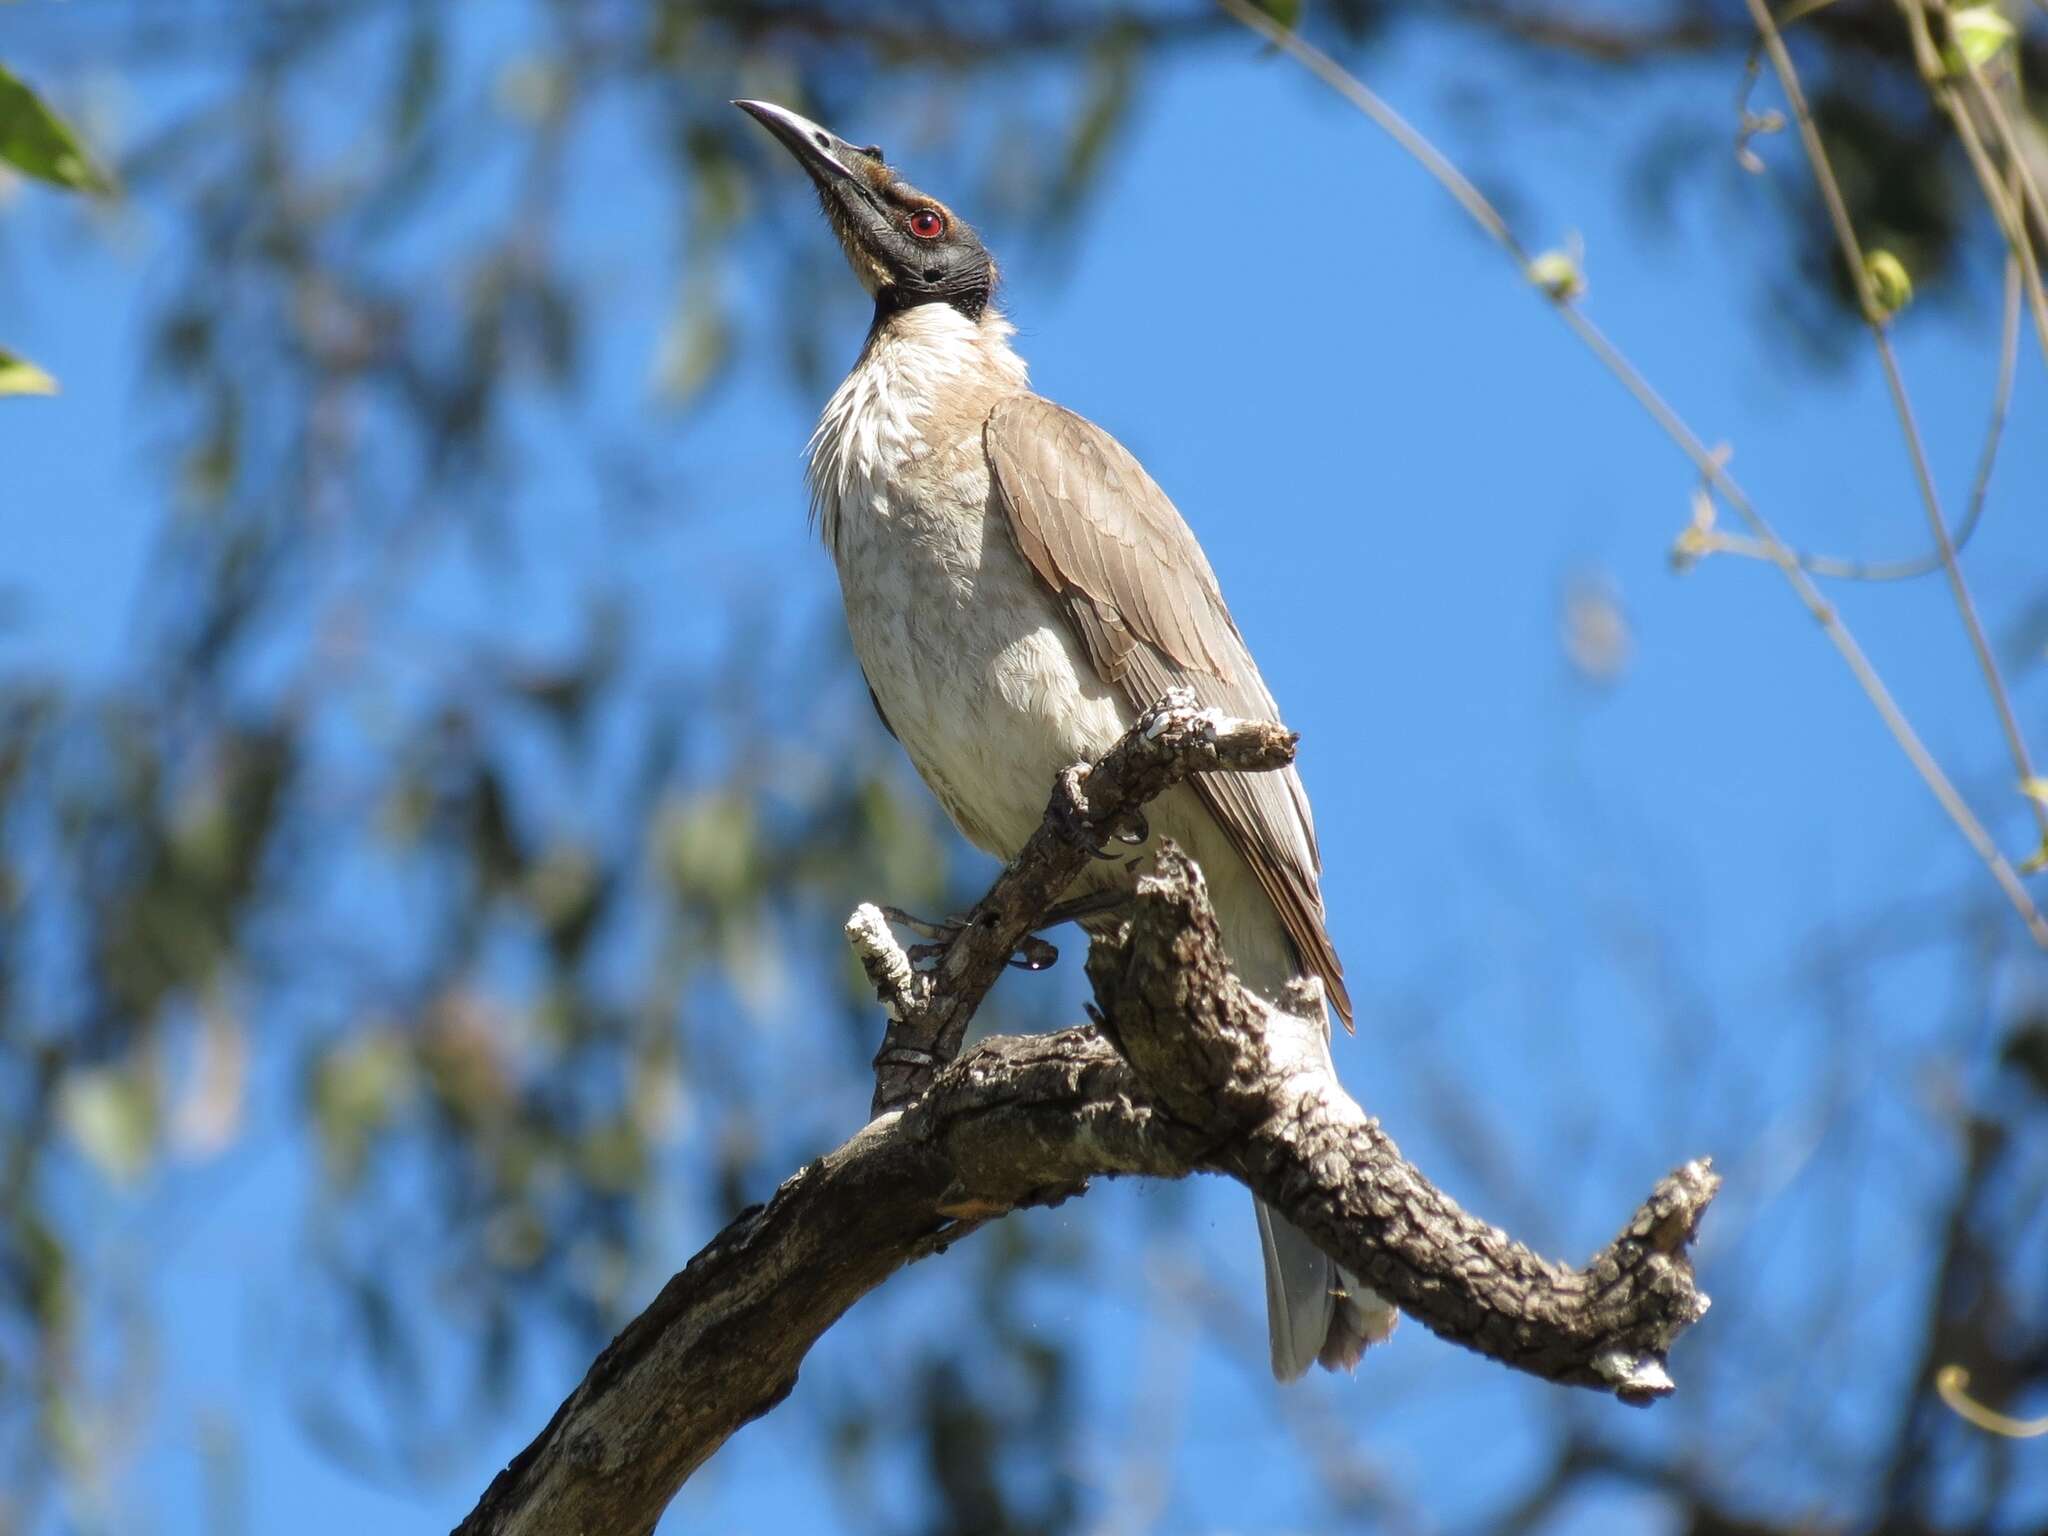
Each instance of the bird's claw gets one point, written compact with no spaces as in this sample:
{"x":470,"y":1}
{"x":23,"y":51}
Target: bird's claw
{"x":1131,"y":830}
{"x":1069,"y":810}
{"x":1033,"y":954}
{"x":944,"y":931}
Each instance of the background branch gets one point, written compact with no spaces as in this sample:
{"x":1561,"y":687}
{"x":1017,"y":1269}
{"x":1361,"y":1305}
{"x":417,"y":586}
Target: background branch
{"x":1711,"y":464}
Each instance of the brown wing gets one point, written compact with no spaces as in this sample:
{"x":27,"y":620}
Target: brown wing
{"x":1142,"y":598}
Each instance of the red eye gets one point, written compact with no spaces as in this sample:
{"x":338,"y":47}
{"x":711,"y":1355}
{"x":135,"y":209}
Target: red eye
{"x":927,"y":224}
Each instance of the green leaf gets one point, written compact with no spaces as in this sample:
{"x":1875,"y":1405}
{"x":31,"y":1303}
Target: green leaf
{"x":19,"y":376}
{"x":35,"y":141}
{"x":1558,"y":274}
{"x":1980,"y":32}
{"x":2035,"y":788}
{"x":1891,"y":285}
{"x":1286,"y":12}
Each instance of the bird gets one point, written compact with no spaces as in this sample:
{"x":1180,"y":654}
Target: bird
{"x":1018,"y":592}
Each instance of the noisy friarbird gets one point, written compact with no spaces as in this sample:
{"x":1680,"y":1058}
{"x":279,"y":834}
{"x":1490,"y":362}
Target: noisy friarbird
{"x":1018,"y":592}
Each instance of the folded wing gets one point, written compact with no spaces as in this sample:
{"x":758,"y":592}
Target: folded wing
{"x":1141,"y":597}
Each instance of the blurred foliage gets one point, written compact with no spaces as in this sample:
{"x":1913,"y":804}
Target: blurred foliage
{"x":35,"y":142}
{"x":19,"y":376}
{"x":505,"y":925}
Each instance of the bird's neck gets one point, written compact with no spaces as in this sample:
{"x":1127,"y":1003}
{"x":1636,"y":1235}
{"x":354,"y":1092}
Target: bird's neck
{"x":927,"y":377}
{"x":931,"y":345}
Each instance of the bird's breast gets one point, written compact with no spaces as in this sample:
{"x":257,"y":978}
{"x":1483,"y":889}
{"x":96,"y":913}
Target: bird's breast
{"x":969,"y":657}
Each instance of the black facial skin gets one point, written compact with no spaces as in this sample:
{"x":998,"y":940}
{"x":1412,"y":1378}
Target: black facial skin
{"x":871,"y":208}
{"x":953,"y":268}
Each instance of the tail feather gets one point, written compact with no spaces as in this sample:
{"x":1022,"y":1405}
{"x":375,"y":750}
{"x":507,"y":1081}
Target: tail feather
{"x":1363,"y":1318}
{"x":1300,"y":1298}
{"x":1316,"y":1312}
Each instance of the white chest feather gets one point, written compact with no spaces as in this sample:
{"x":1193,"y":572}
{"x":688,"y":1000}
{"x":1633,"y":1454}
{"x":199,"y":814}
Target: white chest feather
{"x":971,"y":662}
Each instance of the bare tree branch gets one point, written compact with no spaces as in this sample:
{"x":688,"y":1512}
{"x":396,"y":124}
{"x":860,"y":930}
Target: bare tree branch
{"x":928,"y":1016}
{"x":1188,"y":1072}
{"x":1274,"y":1117}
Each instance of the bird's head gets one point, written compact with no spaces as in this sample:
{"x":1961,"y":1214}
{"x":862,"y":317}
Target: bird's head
{"x":905,"y":247}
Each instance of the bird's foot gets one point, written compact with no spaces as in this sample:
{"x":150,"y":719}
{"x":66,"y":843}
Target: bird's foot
{"x":1070,"y":810}
{"x":1094,"y":904}
{"x":1033,"y":954}
{"x":1133,"y":831}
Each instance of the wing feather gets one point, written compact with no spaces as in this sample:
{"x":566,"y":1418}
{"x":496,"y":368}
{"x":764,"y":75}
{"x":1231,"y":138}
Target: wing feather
{"x":1143,"y":601}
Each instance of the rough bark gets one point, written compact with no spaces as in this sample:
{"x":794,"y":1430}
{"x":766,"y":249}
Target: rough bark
{"x":1277,"y":1120}
{"x":1184,"y":1073}
{"x":929,"y":1014}
{"x":1015,"y":1122}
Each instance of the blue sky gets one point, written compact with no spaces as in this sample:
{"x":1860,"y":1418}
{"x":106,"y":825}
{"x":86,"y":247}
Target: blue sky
{"x":1398,"y":462}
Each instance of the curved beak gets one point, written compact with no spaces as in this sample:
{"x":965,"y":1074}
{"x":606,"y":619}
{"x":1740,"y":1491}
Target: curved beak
{"x":826,"y":156}
{"x":849,"y":182}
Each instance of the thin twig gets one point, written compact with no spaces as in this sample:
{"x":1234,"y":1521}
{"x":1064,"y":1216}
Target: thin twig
{"x":1799,"y":10}
{"x":1838,"y":567}
{"x":1952,"y":1383}
{"x":1843,"y":568}
{"x":1895,"y":380}
{"x":2007,"y":209}
{"x":1705,"y":460}
{"x":2028,"y":191}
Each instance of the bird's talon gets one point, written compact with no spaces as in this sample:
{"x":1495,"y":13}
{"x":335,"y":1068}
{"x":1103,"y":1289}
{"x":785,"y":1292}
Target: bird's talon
{"x":942,"y":931}
{"x":1034,"y":954}
{"x":1070,"y":812}
{"x":940,"y":935}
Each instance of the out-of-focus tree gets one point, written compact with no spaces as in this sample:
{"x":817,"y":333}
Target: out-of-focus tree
{"x":36,"y":143}
{"x":592,"y":867}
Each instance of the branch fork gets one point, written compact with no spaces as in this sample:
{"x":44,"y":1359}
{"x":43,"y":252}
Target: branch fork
{"x":1091,"y":805}
{"x":1184,"y":1071}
